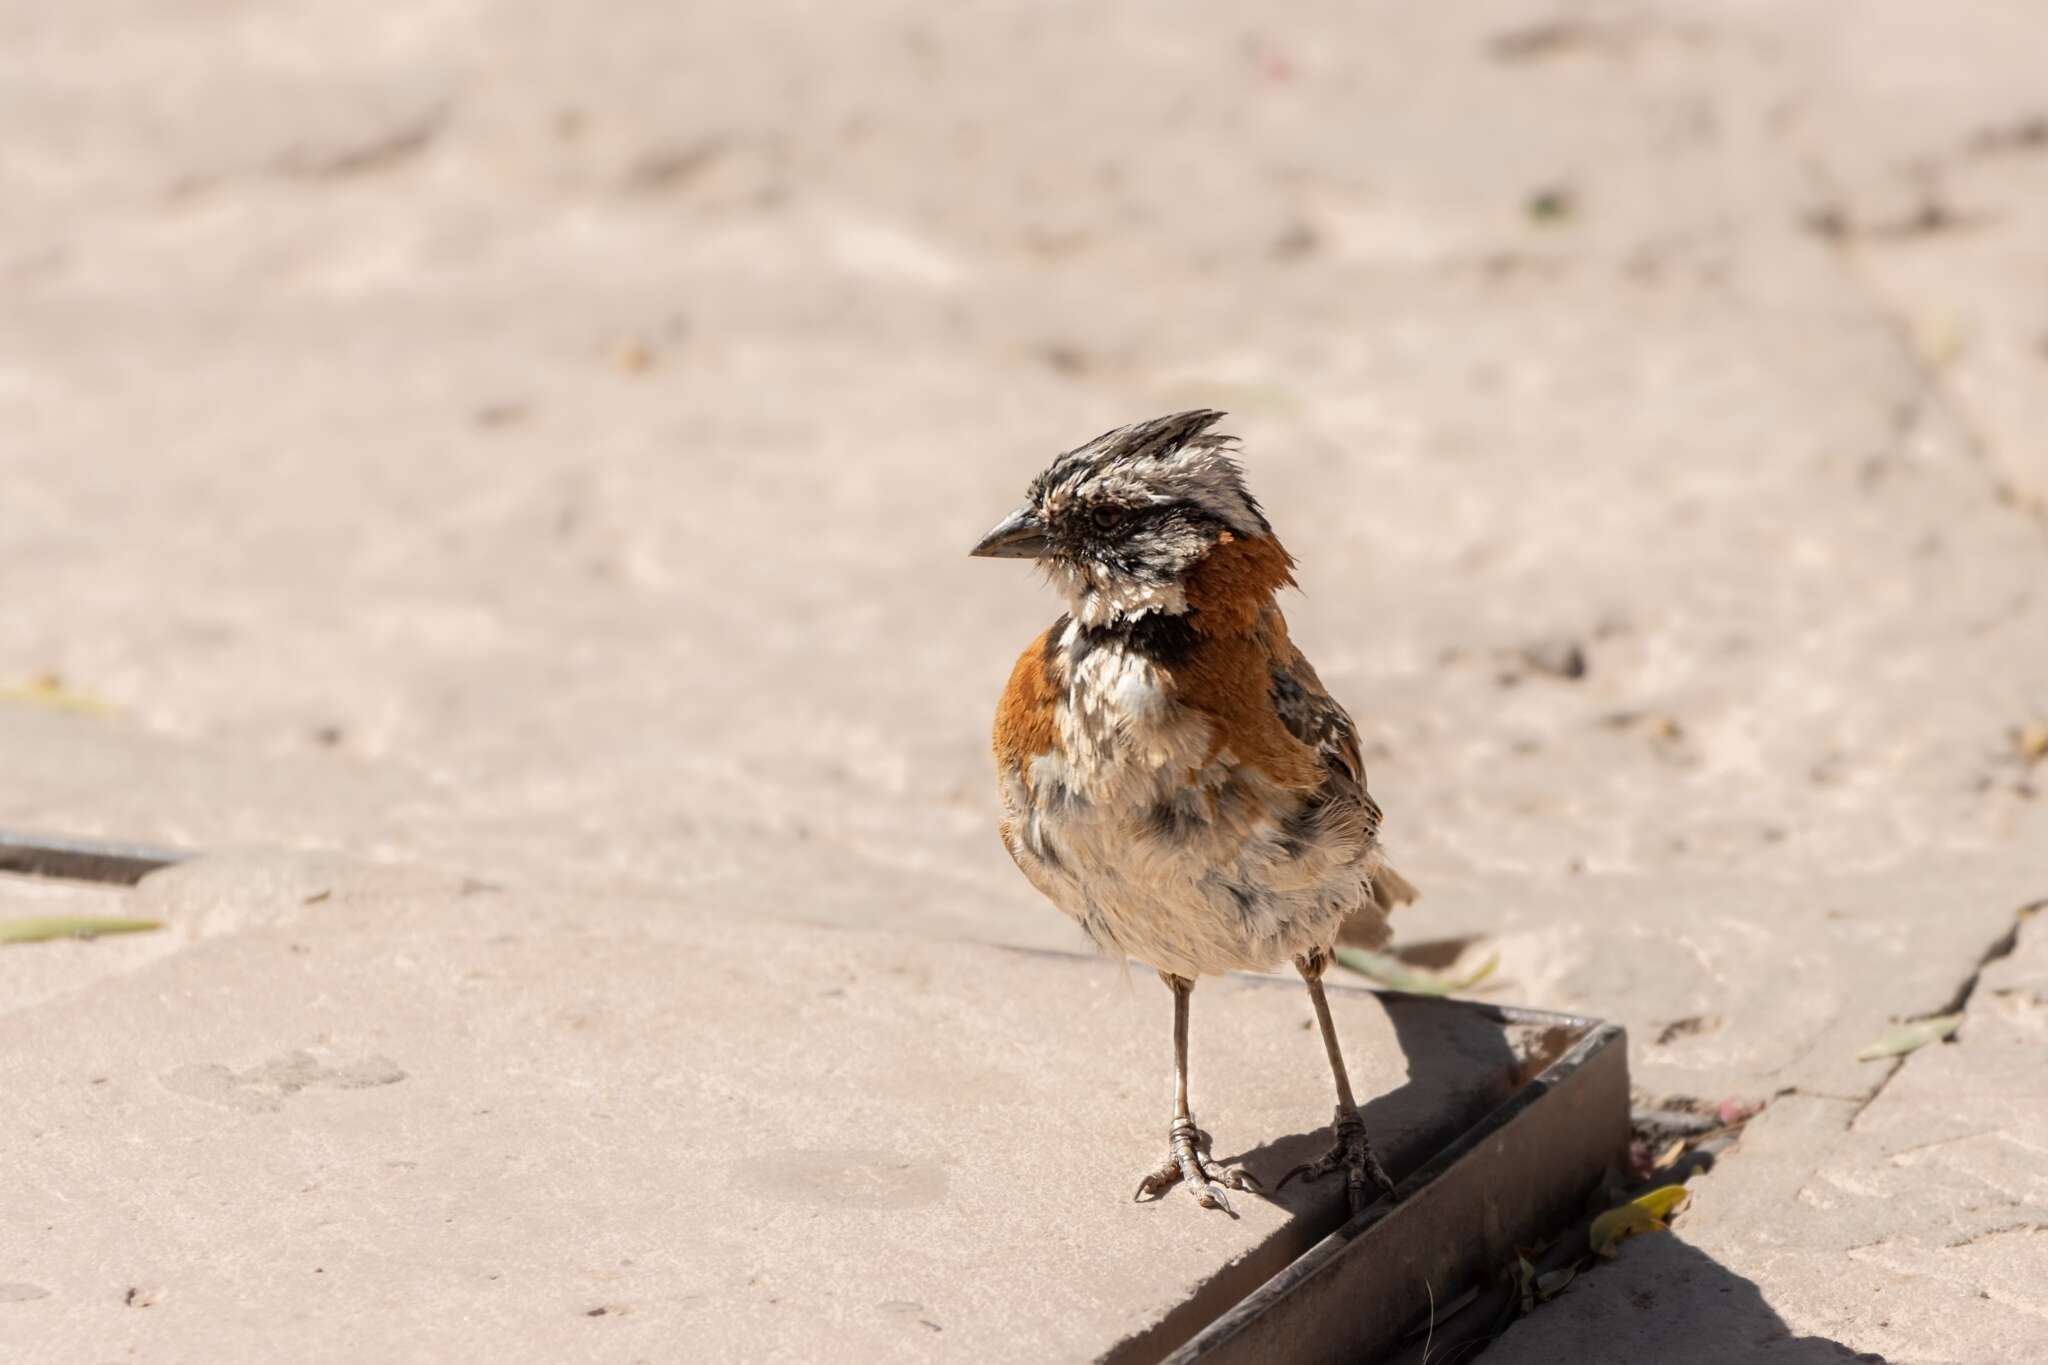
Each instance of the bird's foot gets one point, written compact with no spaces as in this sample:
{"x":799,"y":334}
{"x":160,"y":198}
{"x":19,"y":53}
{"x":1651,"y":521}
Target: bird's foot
{"x":1352,"y":1155}
{"x":1187,"y":1159}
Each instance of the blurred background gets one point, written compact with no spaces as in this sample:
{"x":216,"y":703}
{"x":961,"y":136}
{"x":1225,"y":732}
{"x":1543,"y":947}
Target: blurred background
{"x":505,"y":434}
{"x":545,"y":440}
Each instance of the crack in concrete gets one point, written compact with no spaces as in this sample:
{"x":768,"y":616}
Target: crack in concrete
{"x":381,"y":151}
{"x":1897,"y":1157}
{"x":1988,"y":1233}
{"x":2001,"y":947}
{"x":1935,"y":393}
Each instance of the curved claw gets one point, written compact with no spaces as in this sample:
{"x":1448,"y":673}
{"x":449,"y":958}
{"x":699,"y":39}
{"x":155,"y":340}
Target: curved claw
{"x":1157,"y":1183}
{"x":1187,"y":1162}
{"x":1352,"y":1155}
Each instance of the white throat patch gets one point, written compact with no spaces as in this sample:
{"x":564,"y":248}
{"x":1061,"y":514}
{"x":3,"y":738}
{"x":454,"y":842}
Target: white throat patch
{"x":1097,"y":599}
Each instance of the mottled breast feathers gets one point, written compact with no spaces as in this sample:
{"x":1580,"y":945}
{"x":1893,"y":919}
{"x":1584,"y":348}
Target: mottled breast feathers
{"x":1175,"y":777}
{"x":1230,"y":660}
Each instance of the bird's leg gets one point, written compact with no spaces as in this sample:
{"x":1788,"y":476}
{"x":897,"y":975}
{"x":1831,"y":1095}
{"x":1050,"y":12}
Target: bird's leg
{"x":1187,"y":1157}
{"x":1353,"y":1153}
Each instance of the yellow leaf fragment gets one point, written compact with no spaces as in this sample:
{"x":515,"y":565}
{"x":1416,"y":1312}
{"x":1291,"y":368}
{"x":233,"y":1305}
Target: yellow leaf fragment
{"x":1911,"y":1036}
{"x":48,"y":690}
{"x":1616,"y":1226}
{"x":634,"y":357}
{"x":1645,"y":1213}
{"x":47,"y":927}
{"x":1941,"y":339}
{"x":1663,"y":1201}
{"x":2032,"y":742}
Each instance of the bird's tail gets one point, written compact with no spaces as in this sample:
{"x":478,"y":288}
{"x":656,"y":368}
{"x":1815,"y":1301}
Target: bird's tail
{"x":1390,"y":888}
{"x":1367,"y":928}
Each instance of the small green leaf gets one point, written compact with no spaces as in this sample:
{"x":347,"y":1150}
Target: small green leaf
{"x":45,"y":928}
{"x":1550,"y":1285}
{"x":1391,"y":971}
{"x":1911,"y":1036}
{"x":1552,"y":204}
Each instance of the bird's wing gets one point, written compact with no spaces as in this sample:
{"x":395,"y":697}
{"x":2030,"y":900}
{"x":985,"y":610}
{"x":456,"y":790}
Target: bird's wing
{"x":1342,"y":808}
{"x":1313,"y":716}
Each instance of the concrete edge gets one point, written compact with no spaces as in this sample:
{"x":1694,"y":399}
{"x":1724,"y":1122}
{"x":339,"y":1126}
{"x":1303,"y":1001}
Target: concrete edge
{"x":1351,"y":1296}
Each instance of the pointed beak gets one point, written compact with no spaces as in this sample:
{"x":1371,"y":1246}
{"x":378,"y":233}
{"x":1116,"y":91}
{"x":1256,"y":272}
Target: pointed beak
{"x":1021,"y":535}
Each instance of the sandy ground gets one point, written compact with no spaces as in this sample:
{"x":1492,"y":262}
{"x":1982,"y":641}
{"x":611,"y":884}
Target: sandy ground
{"x":539,"y":447}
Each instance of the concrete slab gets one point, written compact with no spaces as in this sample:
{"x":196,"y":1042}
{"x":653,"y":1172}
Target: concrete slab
{"x":1909,"y":1222}
{"x":1675,"y":1304}
{"x":422,"y":1137}
{"x":62,"y":966}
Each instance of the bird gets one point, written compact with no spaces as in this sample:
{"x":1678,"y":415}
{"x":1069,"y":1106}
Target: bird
{"x":1173,"y":774}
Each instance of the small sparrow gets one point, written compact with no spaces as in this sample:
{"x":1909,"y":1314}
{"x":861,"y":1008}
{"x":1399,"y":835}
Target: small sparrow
{"x":1172,"y":773}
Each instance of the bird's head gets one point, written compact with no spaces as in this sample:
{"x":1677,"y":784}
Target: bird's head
{"x":1120,"y":523}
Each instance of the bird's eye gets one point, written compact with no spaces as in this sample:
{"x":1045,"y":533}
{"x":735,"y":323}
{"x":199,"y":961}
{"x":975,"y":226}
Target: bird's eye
{"x":1107,"y":518}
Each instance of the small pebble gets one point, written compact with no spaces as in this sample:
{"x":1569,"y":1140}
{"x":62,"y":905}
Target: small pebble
{"x":1560,"y":658}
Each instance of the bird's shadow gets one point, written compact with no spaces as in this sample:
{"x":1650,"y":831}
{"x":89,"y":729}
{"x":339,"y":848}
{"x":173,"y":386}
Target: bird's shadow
{"x":1680,"y":1305}
{"x":1462,"y":1062}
